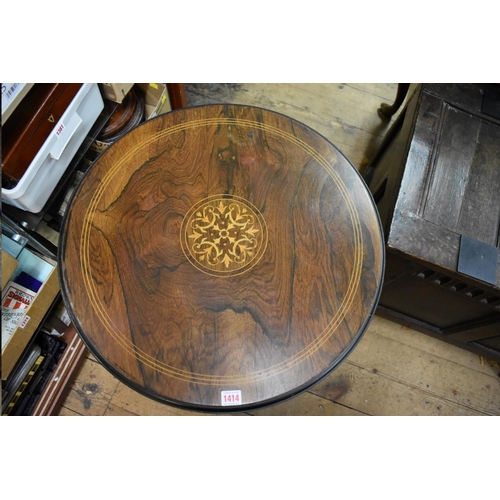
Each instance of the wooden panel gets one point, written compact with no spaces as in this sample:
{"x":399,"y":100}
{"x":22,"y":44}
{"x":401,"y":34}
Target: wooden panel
{"x":459,"y":135}
{"x":466,"y":95}
{"x":221,"y":248}
{"x":419,"y":158}
{"x":465,"y":178}
{"x":479,"y":214}
{"x":424,"y":240}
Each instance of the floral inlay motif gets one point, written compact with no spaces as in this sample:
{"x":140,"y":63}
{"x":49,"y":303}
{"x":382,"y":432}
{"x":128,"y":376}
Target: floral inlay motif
{"x":224,"y":235}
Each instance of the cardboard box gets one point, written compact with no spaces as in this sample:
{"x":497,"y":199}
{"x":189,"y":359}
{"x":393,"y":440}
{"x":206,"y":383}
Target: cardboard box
{"x":115,"y":92}
{"x":16,"y":299}
{"x":31,"y":319}
{"x":156,"y":97}
{"x":9,"y":265}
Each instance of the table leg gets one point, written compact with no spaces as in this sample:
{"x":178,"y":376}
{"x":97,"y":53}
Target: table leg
{"x":386,"y":111}
{"x":177,"y":95}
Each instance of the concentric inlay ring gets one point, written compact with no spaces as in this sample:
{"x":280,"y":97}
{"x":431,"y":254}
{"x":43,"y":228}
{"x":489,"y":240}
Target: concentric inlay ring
{"x":223,"y":235}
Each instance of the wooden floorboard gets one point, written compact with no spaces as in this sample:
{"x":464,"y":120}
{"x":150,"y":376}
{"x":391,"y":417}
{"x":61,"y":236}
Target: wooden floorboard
{"x":434,"y":346}
{"x":344,"y":115}
{"x":427,"y":372}
{"x":91,"y":390}
{"x":133,"y":402}
{"x":394,"y":370}
{"x":309,"y":404}
{"x":380,"y":395}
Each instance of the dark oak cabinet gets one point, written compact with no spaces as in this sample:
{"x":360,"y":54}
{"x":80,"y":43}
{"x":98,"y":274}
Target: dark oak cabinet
{"x":436,"y":182}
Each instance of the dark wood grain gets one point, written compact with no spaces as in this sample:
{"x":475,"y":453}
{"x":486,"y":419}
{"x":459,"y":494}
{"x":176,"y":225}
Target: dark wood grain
{"x":479,"y":214}
{"x":425,"y":240}
{"x":466,"y":95}
{"x":221,"y":248}
{"x":418,"y":134}
{"x":451,"y":167}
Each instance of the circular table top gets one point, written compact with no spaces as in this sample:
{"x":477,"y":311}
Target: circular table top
{"x":221,"y":258}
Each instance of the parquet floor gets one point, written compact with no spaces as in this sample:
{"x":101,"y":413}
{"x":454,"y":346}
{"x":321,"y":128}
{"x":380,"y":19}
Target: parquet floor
{"x":393,"y":371}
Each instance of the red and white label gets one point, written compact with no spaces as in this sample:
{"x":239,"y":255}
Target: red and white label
{"x":16,"y":296}
{"x":230,"y":398}
{"x":59,"y":130}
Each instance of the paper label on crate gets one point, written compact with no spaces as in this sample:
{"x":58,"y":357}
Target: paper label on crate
{"x":10,"y":320}
{"x":230,"y":398}
{"x":24,"y":321}
{"x":9,"y":91}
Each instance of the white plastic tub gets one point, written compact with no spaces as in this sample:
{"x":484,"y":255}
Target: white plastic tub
{"x":36,"y":185}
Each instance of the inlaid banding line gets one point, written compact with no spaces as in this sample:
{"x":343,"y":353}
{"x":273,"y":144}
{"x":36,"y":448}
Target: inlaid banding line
{"x":307,"y":351}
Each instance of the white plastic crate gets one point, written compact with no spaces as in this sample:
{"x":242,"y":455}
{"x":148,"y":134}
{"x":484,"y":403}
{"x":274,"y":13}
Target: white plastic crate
{"x":36,"y":185}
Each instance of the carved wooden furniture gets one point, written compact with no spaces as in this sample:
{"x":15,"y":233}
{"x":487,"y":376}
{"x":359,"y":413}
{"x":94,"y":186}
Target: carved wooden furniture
{"x":436,"y":182}
{"x":221,"y":258}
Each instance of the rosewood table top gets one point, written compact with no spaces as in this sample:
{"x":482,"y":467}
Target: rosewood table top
{"x":221,"y":258}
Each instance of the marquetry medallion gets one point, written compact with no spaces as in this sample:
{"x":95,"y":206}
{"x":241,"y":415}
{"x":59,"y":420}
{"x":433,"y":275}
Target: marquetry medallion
{"x":221,"y":258}
{"x":223,"y":235}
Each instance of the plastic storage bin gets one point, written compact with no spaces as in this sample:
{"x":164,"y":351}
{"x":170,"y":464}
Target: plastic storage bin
{"x":35,"y":187}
